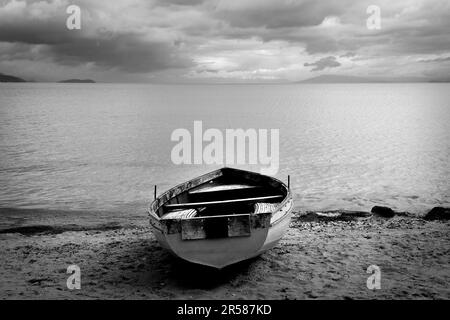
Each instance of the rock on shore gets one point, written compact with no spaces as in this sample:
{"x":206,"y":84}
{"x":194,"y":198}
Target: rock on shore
{"x":438,"y":213}
{"x":384,"y":212}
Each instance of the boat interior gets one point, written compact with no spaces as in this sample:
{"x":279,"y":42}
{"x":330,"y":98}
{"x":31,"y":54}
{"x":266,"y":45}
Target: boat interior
{"x":228,"y":193}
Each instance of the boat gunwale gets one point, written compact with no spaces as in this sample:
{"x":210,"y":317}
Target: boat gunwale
{"x":152,"y":212}
{"x":152,"y":206}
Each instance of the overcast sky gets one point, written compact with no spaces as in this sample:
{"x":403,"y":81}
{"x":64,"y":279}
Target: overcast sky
{"x":228,"y":41}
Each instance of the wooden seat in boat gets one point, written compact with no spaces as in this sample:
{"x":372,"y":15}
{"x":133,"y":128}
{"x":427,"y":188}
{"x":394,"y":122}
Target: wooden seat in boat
{"x":263,"y":207}
{"x":222,"y":188}
{"x":180,"y":214}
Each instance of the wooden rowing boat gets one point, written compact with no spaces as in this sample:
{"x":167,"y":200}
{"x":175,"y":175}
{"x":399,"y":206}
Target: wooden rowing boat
{"x":222,"y":217}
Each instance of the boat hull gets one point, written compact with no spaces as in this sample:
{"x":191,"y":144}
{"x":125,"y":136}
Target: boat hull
{"x":217,"y":253}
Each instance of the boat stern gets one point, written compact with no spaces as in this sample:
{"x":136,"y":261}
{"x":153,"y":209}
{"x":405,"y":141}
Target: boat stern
{"x":215,"y":241}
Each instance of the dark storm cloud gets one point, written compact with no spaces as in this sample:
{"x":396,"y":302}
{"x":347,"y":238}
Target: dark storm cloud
{"x":324,"y":63}
{"x":277,"y":14}
{"x":129,"y":51}
{"x":348,"y":55}
{"x":125,"y":52}
{"x":34,"y":31}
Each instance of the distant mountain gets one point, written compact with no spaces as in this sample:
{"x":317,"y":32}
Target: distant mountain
{"x":330,"y":78}
{"x":441,"y":80}
{"x":8,"y":78}
{"x":78,"y":81}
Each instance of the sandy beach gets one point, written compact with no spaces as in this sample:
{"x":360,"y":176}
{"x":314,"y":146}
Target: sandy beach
{"x":319,"y":258}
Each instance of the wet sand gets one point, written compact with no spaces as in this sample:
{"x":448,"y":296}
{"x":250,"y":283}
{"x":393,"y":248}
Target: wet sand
{"x":319,"y":258}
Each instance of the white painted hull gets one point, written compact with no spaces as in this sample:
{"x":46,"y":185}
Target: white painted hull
{"x":219,"y":253}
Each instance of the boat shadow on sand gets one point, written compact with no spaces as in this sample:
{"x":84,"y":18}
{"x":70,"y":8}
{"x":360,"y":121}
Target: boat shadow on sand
{"x":192,"y":275}
{"x":158,"y":270}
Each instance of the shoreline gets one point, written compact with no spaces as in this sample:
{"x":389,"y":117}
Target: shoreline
{"x":321,"y":257}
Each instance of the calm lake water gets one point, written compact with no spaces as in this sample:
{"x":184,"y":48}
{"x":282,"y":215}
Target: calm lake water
{"x":91,"y":147}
